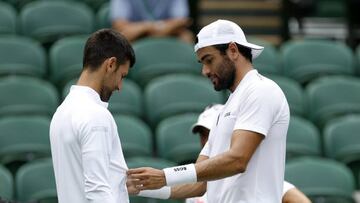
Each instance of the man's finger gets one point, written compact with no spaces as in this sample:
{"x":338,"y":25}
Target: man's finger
{"x":136,"y":170}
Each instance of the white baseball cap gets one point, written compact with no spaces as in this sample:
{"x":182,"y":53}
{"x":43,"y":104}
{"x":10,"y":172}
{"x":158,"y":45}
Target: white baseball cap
{"x":207,"y":118}
{"x":223,"y":32}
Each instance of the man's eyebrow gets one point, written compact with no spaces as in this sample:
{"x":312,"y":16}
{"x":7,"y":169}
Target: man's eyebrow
{"x":203,"y":58}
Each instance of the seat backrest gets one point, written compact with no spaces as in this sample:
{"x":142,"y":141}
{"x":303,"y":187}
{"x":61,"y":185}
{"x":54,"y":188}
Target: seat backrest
{"x":321,"y":177}
{"x":35,"y":181}
{"x":135,"y":136}
{"x":129,"y":100}
{"x":160,"y":56}
{"x":303,"y":139}
{"x":40,"y":19}
{"x":268,"y":62}
{"x":21,"y":55}
{"x":175,"y":141}
{"x":341,"y":138}
{"x":357,"y":59}
{"x":24,"y":138}
{"x":330,"y":97}
{"x":174,"y":94}
{"x":26,"y":95}
{"x":65,"y":57}
{"x":309,"y":59}
{"x":294,"y":93}
{"x":7,"y":19}
{"x":6,"y":184}
{"x":103,"y":16}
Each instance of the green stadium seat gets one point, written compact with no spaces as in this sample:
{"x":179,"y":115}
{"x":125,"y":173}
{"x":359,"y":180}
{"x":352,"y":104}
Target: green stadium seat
{"x":6,"y":184}
{"x":48,"y":21}
{"x":23,"y":139}
{"x":178,"y":93}
{"x":342,"y":141}
{"x":357,"y":58}
{"x":330,"y":8}
{"x":135,"y":136}
{"x":322,"y":180}
{"x":331,"y":97}
{"x":65,"y":57}
{"x":303,"y":139}
{"x":309,"y":59}
{"x":268,"y":62}
{"x":21,"y":56}
{"x":161,"y":56}
{"x":293,"y":92}
{"x":103,"y":16}
{"x":175,"y":141}
{"x":35,"y":181}
{"x":7,"y":19}
{"x":27,"y":95}
{"x":127,"y":101}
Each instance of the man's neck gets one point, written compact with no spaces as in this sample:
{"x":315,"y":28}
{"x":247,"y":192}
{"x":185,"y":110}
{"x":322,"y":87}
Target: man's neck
{"x":90,"y":79}
{"x":241,"y":71}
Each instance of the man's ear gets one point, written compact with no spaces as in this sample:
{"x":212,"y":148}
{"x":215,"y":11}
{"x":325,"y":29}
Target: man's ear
{"x":233,"y":51}
{"x":111,"y":64}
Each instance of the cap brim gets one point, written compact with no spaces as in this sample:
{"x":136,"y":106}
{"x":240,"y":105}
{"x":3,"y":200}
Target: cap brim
{"x":255,"y":49}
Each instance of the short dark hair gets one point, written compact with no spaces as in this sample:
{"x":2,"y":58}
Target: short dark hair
{"x":106,"y":43}
{"x":245,"y":51}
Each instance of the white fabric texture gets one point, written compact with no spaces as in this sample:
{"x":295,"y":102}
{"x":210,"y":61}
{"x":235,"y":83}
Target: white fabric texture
{"x":287,"y":186}
{"x":257,"y":105}
{"x":223,"y":32}
{"x":86,"y":151}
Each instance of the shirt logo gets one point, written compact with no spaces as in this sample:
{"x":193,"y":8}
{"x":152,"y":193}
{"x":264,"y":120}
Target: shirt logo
{"x":180,"y":169}
{"x":227,"y":114}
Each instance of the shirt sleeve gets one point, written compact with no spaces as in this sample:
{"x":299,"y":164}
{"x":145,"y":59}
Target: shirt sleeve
{"x":119,"y":9}
{"x":286,"y":187}
{"x":95,"y":142}
{"x":179,"y":9}
{"x":205,"y":151}
{"x":257,"y":111}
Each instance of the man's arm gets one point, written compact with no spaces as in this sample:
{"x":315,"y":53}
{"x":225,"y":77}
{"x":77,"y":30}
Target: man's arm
{"x":95,"y":148}
{"x":189,"y":190}
{"x":295,"y":196}
{"x":243,"y":145}
{"x":132,"y":30}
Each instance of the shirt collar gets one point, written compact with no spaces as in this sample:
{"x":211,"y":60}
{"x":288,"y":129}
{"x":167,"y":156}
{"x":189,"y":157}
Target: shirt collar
{"x":89,"y":92}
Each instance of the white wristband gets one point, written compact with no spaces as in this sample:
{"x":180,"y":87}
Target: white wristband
{"x":162,"y":193}
{"x":180,"y":175}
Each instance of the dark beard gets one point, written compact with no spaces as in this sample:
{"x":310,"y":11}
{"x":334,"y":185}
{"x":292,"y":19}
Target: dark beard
{"x":226,"y":74}
{"x":105,"y":94}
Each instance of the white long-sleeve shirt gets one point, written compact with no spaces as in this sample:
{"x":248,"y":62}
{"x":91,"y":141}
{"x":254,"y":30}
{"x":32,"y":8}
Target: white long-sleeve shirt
{"x":88,"y":161}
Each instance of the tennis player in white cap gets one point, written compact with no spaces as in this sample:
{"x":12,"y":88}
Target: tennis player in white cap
{"x":245,"y":157}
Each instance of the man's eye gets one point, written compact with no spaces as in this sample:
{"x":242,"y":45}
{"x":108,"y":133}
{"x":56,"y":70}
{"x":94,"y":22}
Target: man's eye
{"x":208,"y":61}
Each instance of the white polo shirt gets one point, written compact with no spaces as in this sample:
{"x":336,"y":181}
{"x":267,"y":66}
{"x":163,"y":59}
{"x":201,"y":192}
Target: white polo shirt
{"x":87,"y":156}
{"x":259,"y":105}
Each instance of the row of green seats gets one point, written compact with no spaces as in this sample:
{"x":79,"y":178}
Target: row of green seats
{"x":47,"y":21}
{"x":322,"y":180}
{"x":302,"y":61}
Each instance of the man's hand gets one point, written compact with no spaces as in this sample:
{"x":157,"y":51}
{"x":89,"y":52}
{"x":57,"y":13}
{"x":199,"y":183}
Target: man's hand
{"x":147,"y":178}
{"x":131,"y":187}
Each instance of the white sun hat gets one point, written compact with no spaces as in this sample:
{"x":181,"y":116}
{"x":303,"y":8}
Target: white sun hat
{"x":223,"y":32}
{"x":207,"y":118}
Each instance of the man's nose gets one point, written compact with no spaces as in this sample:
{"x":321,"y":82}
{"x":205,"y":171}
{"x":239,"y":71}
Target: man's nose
{"x":205,"y":70}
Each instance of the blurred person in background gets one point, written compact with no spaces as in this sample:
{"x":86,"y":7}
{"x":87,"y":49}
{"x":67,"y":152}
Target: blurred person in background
{"x":151,"y":18}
